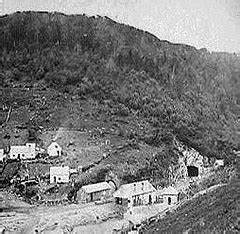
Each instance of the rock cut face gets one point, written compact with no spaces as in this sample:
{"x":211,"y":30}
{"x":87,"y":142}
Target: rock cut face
{"x":192,"y":163}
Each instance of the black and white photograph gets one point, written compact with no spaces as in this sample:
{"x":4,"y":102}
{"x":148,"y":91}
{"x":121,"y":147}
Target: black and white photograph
{"x":119,"y":116}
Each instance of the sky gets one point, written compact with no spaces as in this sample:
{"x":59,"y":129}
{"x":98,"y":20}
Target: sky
{"x":211,"y":24}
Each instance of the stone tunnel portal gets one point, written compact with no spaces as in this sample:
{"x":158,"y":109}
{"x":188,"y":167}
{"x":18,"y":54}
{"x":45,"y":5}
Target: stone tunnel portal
{"x":193,"y":171}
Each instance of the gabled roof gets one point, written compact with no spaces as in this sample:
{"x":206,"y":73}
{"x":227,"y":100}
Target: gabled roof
{"x":169,"y":191}
{"x":52,"y":144}
{"x":59,"y":170}
{"x":22,"y":149}
{"x":220,"y":160}
{"x":19,"y":149}
{"x":136,"y":188}
{"x":91,"y":188}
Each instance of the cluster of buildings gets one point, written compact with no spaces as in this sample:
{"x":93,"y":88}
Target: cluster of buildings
{"x":128,"y":195}
{"x":29,"y":151}
{"x":133,"y":194}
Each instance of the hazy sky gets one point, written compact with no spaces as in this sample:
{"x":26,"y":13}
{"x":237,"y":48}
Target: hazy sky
{"x":213,"y":24}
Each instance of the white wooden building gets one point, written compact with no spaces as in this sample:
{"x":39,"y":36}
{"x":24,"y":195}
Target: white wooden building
{"x":135,"y":194}
{"x":54,"y":149}
{"x":94,"y":192}
{"x":59,"y":174}
{"x":27,"y":151}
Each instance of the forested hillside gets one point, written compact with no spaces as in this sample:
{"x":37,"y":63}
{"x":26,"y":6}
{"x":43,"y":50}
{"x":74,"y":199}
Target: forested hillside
{"x":162,"y":90}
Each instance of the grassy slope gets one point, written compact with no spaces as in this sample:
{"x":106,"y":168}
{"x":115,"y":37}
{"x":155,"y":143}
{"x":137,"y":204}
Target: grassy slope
{"x":216,"y":211}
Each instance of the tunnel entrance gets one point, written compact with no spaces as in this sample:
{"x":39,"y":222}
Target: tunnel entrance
{"x":192,"y":171}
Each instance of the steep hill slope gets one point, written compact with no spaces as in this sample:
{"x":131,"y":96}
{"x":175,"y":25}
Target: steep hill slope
{"x":81,"y":72}
{"x":215,"y":212}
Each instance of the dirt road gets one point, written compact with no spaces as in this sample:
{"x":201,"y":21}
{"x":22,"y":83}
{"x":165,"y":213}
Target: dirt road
{"x":67,"y":217}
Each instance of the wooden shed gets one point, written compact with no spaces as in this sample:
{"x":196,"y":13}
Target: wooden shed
{"x":94,"y":192}
{"x":169,"y":195}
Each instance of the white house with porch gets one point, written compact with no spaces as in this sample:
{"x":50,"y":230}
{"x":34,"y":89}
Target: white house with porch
{"x":135,"y":194}
{"x":59,"y":174}
{"x":54,"y":149}
{"x":27,"y":151}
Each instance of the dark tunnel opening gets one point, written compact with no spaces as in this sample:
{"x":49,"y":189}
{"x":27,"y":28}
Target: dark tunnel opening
{"x":192,"y":171}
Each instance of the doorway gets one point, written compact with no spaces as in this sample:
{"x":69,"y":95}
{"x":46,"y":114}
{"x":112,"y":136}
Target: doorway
{"x":150,"y":199}
{"x":169,"y":200}
{"x":54,"y":179}
{"x":118,"y":200}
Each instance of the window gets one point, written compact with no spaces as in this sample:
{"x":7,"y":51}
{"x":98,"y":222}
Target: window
{"x":159,"y":199}
{"x":135,"y":200}
{"x":59,"y":178}
{"x":169,"y":200}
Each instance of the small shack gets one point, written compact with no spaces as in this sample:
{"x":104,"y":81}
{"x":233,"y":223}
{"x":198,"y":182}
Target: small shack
{"x":169,"y":195}
{"x":54,"y":149}
{"x":94,"y":192}
{"x":59,"y":174}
